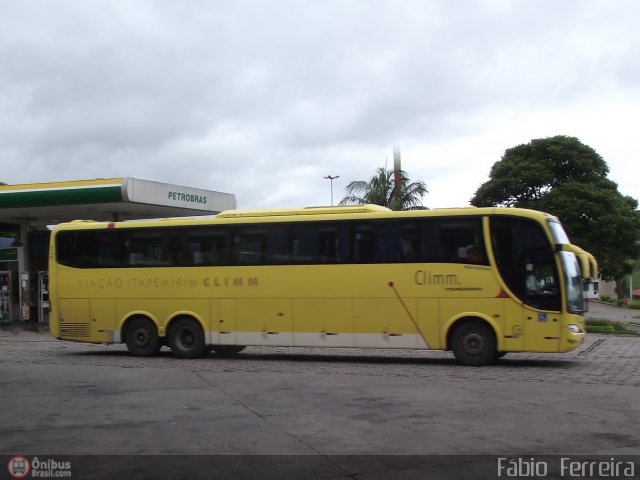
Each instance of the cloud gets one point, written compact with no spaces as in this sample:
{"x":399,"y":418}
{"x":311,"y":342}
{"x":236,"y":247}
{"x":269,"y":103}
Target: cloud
{"x":263,"y":99}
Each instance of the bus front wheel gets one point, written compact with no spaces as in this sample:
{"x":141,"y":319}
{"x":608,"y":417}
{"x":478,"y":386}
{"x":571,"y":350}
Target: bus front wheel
{"x":142,"y":338}
{"x":474,"y":343}
{"x":186,"y":338}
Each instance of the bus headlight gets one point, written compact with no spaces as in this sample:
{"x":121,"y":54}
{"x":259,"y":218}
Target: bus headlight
{"x":574,"y":328}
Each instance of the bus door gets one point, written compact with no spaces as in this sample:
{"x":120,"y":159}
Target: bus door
{"x":527,"y":264}
{"x":542,"y":310}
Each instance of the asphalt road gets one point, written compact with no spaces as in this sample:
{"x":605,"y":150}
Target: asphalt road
{"x":599,"y":309}
{"x":312,"y":413}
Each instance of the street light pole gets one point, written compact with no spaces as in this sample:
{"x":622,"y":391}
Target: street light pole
{"x":331,"y":179}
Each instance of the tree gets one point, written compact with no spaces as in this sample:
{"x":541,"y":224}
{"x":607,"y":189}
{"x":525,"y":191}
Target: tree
{"x":381,"y":190}
{"x":566,"y":178}
{"x":526,"y":173}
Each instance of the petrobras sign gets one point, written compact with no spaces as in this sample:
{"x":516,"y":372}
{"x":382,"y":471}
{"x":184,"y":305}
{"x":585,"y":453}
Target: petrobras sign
{"x":156,"y":193}
{"x":187,"y":197}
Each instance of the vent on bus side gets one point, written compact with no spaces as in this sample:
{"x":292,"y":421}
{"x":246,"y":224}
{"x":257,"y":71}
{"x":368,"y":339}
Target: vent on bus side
{"x":75,"y":329}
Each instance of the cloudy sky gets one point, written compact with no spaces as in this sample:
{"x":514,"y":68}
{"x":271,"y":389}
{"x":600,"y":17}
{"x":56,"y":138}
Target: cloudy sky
{"x":265,"y":98}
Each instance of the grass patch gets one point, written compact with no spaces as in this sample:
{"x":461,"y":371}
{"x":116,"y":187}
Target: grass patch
{"x":602,"y":325}
{"x":600,"y":329}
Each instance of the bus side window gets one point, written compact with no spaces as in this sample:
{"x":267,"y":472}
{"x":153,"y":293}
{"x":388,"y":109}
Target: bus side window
{"x":150,"y":247}
{"x":388,"y":242}
{"x":78,"y":249}
{"x":136,"y":255}
{"x":202,"y":246}
{"x":315,"y":243}
{"x":330,"y":245}
{"x":217,"y":252}
{"x":363,"y":245}
{"x":388,"y":249}
{"x":461,"y":240}
{"x":303,"y":243}
{"x":430,"y":250}
{"x":410,"y":242}
{"x":109,"y":255}
{"x":249,"y":248}
{"x":277,"y":249}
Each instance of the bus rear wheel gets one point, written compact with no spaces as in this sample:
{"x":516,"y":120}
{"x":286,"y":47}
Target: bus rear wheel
{"x":186,"y":338}
{"x":141,"y":338}
{"x":474,"y":343}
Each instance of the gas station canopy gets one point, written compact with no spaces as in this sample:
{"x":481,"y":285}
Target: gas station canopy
{"x":106,"y":199}
{"x":23,"y":261}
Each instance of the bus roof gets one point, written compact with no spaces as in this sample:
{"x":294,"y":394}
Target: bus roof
{"x":309,"y":213}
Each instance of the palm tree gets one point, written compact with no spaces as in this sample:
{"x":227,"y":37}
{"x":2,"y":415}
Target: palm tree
{"x":380,"y":190}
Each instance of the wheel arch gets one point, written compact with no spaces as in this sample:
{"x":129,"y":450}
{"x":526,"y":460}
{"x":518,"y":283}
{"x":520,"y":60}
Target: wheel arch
{"x":463,"y":318}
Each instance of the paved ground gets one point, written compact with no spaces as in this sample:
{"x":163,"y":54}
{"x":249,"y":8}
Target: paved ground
{"x":63,"y":398}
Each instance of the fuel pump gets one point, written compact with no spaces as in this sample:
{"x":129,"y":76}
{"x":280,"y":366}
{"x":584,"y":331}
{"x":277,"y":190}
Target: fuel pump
{"x":6,"y":299}
{"x":25,"y":297}
{"x":43,"y":296}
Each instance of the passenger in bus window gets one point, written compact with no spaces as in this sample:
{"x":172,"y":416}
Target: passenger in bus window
{"x":469,"y":254}
{"x":532,"y":283}
{"x":473,"y":256}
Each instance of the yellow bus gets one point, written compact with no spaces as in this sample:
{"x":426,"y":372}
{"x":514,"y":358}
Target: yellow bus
{"x":480,"y":282}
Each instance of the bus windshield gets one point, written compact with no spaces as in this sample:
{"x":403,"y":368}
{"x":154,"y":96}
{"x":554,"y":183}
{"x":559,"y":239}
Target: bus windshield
{"x":573,"y":274}
{"x":559,"y":235}
{"x":573,"y":282}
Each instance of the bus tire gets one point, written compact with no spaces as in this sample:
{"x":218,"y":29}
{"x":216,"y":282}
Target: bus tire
{"x":474,"y":343}
{"x":141,"y":338}
{"x":227,"y":350}
{"x":186,"y":338}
